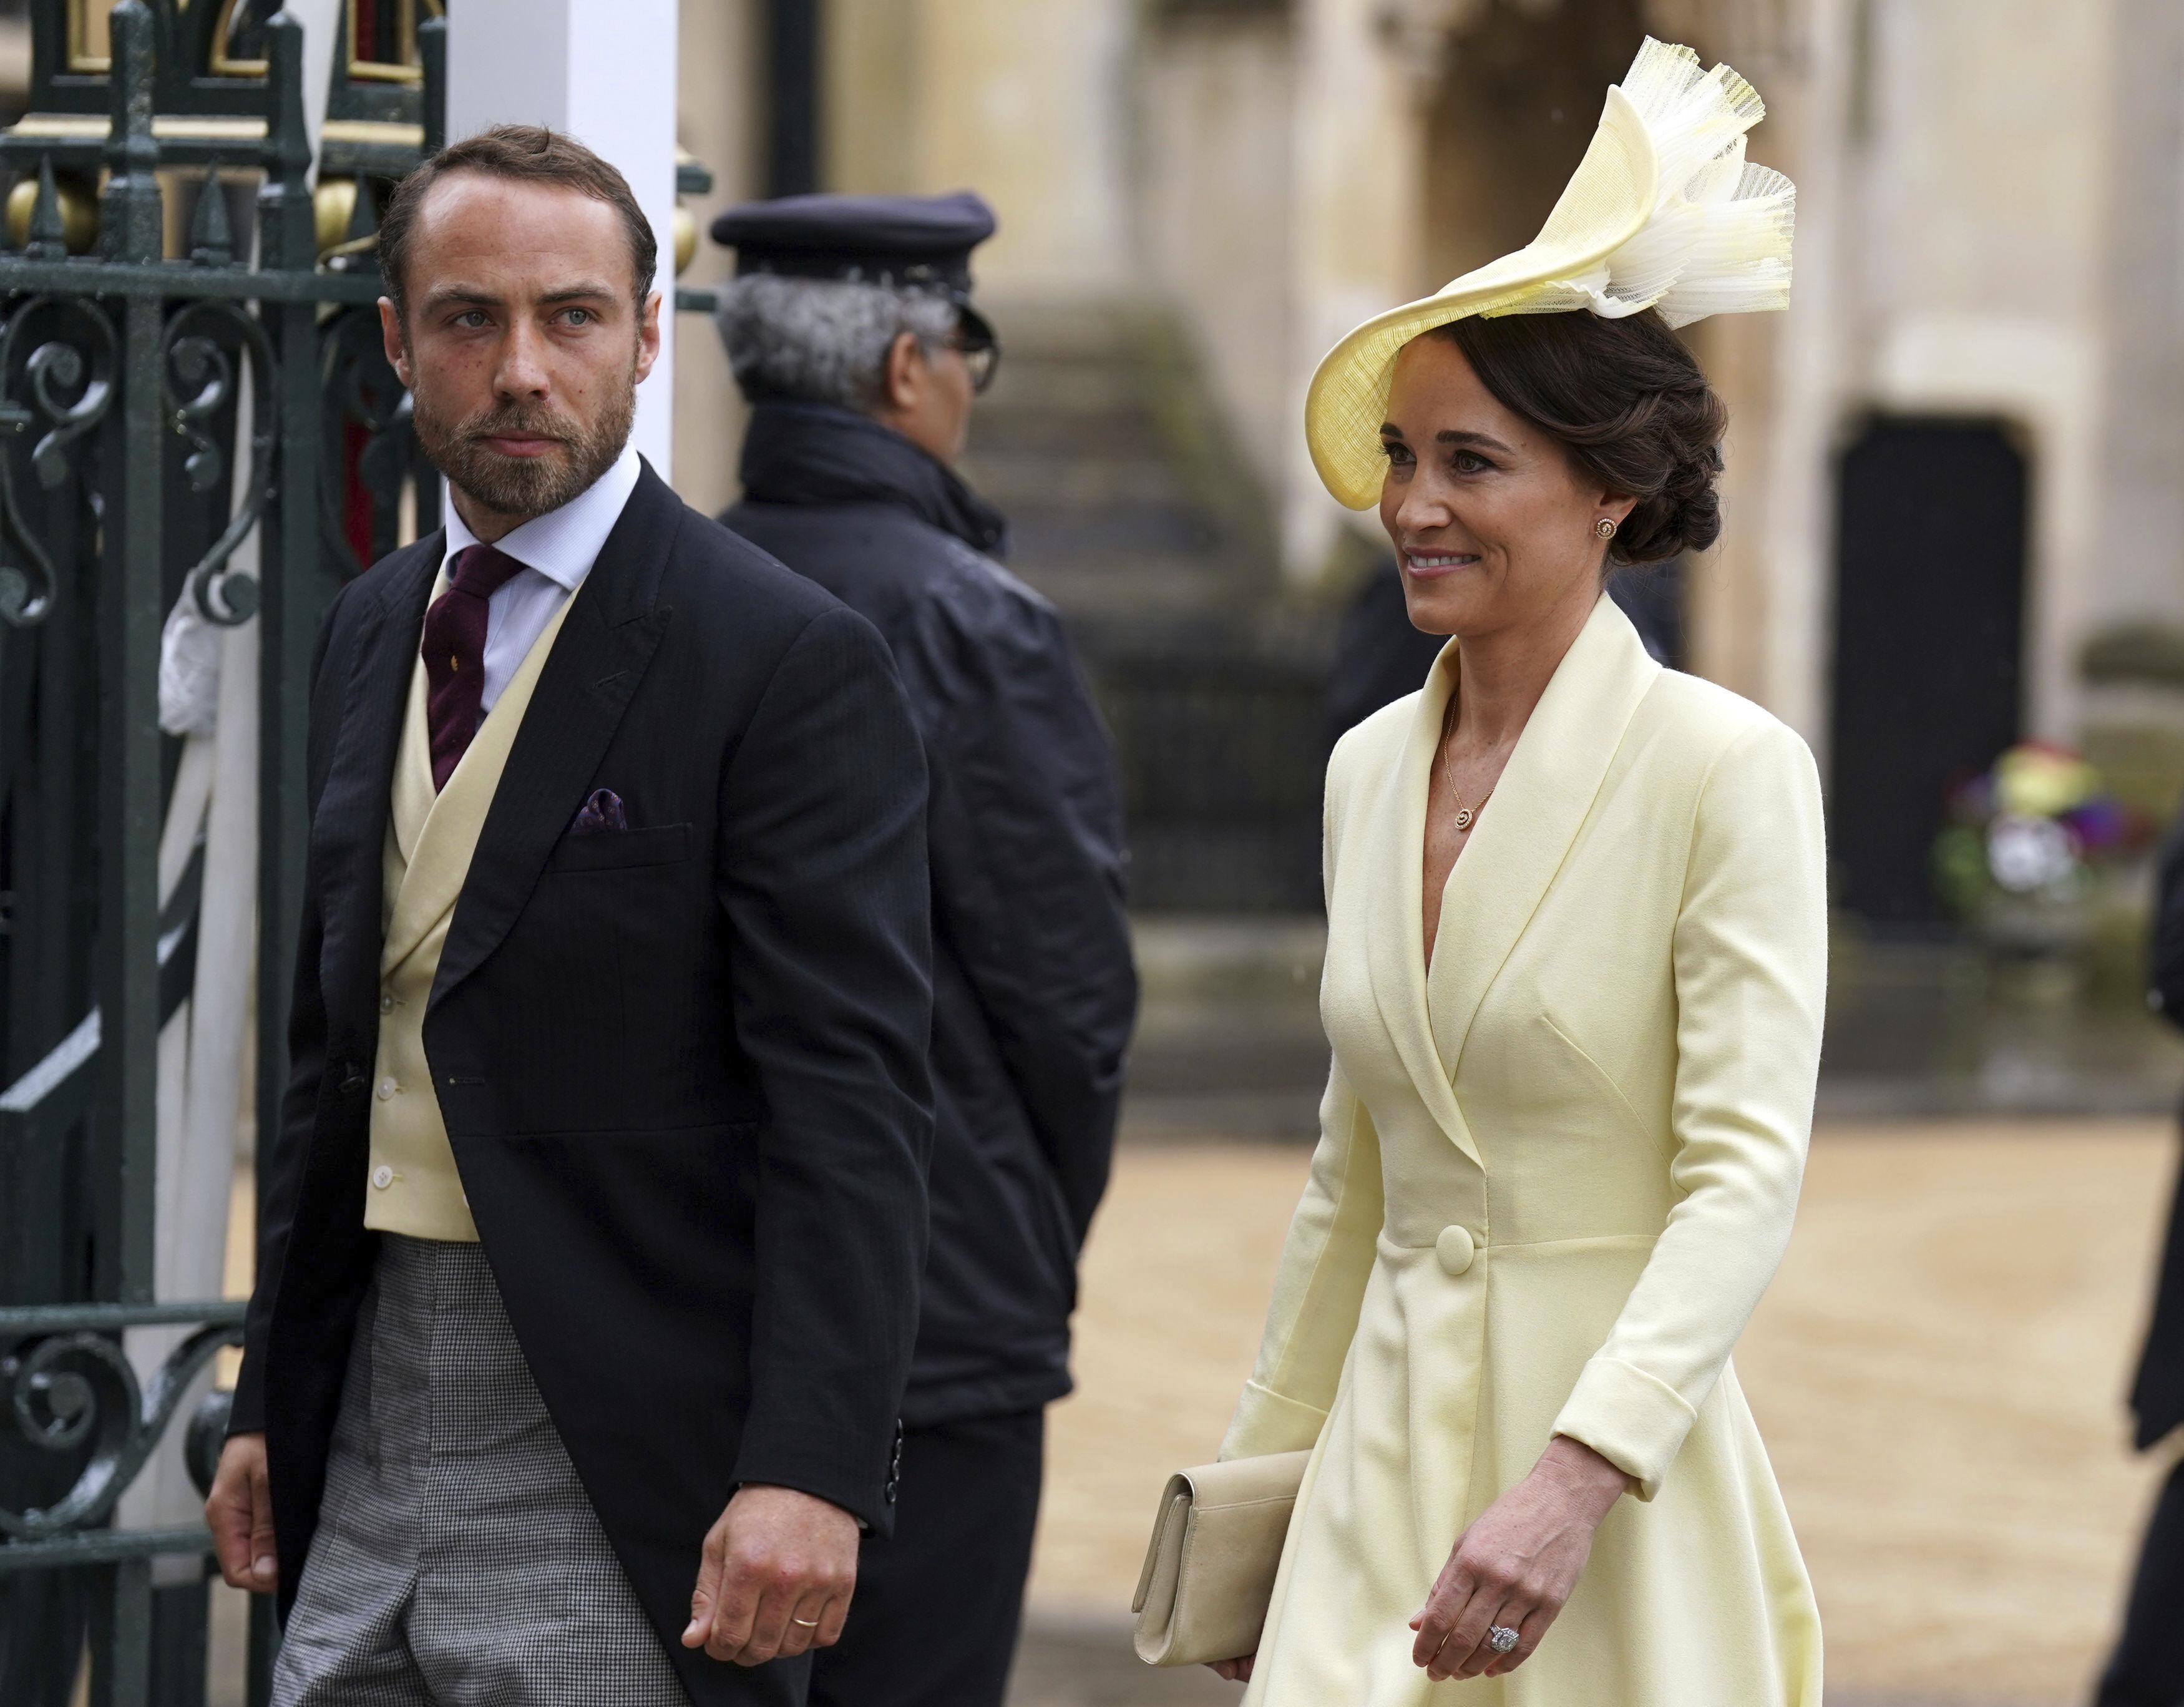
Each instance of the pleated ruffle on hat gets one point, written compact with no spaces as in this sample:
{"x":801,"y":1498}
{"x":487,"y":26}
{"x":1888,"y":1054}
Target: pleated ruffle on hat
{"x":1663,"y":212}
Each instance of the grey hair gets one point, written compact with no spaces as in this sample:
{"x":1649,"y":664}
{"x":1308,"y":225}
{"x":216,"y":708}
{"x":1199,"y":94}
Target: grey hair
{"x":822,"y":340}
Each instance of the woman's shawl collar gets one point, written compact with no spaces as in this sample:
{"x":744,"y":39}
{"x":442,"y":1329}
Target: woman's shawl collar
{"x":1538,"y":807}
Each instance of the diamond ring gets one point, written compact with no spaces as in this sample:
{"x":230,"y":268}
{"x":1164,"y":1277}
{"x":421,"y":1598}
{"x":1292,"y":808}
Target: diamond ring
{"x":1502,"y":1639}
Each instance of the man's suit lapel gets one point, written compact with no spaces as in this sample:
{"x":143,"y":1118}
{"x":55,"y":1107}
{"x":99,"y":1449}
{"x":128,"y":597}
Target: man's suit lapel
{"x":348,"y":827}
{"x":607,"y":642}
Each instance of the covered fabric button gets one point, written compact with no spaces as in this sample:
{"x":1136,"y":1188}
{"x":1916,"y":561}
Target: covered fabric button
{"x":382,"y":1176}
{"x":1455,"y":1249}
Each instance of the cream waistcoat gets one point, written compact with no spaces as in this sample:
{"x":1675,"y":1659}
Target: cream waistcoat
{"x":412,"y":1187}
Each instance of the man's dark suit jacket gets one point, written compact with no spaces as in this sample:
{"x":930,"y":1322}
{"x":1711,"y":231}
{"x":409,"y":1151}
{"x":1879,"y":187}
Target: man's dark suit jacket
{"x":683,"y":1065}
{"x":2158,"y":1395}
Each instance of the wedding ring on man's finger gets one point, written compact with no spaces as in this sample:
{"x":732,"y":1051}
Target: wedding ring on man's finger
{"x":813,"y":1624}
{"x":1502,"y":1639}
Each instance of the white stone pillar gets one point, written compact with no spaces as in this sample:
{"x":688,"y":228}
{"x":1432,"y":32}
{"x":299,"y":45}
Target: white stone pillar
{"x":603,"y":71}
{"x":1359,"y":145}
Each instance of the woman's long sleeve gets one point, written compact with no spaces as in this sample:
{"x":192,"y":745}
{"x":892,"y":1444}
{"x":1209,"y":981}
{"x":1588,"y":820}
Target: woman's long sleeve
{"x":1326,"y":1260}
{"x":1318,"y":1289}
{"x":1751,"y":979}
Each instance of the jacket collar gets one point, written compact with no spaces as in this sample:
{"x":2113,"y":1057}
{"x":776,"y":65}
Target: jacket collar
{"x":810,"y":453}
{"x":1541,"y":803}
{"x":563,"y":544}
{"x":614,"y":625}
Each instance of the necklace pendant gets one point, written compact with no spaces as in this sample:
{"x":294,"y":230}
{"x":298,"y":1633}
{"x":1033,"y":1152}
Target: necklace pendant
{"x":1464,"y":815}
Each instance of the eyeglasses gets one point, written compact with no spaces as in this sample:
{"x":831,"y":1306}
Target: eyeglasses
{"x":981,"y":352}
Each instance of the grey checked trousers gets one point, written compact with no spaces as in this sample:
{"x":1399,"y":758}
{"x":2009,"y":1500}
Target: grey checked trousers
{"x":458,"y":1561}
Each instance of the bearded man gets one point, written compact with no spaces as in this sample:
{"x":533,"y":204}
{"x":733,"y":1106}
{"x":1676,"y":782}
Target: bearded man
{"x":589,"y":1260}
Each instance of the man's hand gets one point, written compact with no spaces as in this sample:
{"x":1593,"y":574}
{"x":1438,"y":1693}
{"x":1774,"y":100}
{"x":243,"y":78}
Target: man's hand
{"x":776,"y":1577}
{"x":239,"y":1512}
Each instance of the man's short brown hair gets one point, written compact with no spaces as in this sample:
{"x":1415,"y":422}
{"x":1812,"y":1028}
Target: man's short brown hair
{"x":532,"y":155}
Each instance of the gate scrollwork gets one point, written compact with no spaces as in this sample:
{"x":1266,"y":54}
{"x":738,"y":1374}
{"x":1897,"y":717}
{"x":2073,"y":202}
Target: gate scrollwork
{"x":197,"y":377}
{"x":363,"y":395}
{"x":67,"y":1388}
{"x":67,"y":384}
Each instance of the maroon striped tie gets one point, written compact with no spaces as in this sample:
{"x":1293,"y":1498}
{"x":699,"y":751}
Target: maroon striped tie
{"x":455,"y":654}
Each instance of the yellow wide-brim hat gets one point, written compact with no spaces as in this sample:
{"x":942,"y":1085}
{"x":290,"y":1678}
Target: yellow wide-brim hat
{"x":1663,"y":212}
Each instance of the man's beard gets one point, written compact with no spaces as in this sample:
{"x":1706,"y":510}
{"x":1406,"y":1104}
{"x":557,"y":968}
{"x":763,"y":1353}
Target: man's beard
{"x":524,"y":487}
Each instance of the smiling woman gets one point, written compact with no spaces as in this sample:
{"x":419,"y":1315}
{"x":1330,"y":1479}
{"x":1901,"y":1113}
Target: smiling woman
{"x":1576,"y":961}
{"x":1530,"y":454}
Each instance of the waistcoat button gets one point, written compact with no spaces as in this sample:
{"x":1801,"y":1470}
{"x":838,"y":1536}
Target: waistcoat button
{"x":1455,"y":1249}
{"x":387,"y":1089}
{"x":382,"y":1176}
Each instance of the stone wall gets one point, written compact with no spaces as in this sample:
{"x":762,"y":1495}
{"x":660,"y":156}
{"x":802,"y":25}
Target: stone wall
{"x":720,"y":122}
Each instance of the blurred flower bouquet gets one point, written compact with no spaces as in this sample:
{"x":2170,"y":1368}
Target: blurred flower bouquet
{"x":2033,"y":846}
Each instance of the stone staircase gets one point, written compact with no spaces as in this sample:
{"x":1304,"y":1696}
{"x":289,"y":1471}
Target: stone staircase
{"x":1132,"y":512}
{"x":1098,"y":442}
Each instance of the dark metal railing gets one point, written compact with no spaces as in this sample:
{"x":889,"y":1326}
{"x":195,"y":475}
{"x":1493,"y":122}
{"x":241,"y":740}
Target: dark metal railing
{"x":124,"y":372}
{"x":131,"y":348}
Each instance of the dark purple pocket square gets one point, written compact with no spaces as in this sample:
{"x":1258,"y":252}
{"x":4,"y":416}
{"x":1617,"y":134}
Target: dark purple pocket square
{"x":602,"y":811}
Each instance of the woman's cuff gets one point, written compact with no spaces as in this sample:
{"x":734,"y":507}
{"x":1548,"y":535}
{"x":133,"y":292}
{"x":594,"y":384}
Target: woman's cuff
{"x":1636,"y":1423}
{"x":1267,"y":1422}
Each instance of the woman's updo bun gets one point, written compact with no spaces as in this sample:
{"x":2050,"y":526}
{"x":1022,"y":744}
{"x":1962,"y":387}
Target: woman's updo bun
{"x":1627,"y":401}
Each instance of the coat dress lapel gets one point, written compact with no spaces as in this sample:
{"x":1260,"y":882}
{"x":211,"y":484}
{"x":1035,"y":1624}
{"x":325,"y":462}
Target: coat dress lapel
{"x":613,"y":627}
{"x":1395,"y":948}
{"x":1538,"y":807}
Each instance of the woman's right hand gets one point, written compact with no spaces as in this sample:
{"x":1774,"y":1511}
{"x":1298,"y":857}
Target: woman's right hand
{"x":1236,"y":1670}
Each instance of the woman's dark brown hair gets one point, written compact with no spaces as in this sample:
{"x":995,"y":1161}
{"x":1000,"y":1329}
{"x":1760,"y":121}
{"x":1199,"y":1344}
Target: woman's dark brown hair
{"x":1627,"y":402}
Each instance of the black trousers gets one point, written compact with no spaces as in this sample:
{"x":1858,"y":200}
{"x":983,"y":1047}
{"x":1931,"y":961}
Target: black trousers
{"x":2148,"y":1667}
{"x":939,"y":1602}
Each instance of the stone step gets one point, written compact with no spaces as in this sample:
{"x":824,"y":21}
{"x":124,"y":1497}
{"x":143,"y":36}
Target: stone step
{"x":1016,"y":476}
{"x":1122,"y":433}
{"x":1099,"y":445}
{"x":1068,"y":535}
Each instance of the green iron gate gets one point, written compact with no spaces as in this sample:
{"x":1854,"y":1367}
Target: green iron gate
{"x":139,"y":324}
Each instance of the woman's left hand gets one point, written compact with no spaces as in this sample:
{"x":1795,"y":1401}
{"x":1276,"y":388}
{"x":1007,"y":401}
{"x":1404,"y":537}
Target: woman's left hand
{"x":1516,"y":1565}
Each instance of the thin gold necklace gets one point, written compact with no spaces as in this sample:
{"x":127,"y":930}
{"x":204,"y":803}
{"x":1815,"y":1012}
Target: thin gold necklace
{"x":1465,"y":816}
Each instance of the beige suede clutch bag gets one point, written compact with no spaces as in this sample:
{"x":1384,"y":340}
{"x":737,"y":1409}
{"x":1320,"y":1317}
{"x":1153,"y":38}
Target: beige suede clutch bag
{"x":1209,"y":1574}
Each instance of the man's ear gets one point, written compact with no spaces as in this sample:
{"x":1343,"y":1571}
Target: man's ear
{"x":647,"y":336}
{"x":898,"y":380}
{"x":398,"y":346}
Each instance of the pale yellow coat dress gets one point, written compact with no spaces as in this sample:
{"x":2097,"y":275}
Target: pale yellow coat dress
{"x":1557,"y":1170}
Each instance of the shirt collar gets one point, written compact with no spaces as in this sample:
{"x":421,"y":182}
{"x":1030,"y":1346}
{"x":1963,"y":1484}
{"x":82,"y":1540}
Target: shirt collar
{"x":563,"y":544}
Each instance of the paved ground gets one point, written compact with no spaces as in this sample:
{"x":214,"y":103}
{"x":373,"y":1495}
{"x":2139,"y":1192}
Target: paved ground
{"x":1083,"y":1662}
{"x":1937,"y":1372}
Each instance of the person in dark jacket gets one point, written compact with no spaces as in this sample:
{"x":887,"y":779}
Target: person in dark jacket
{"x":850,"y":331}
{"x":2146,"y":1669}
